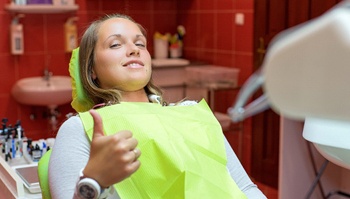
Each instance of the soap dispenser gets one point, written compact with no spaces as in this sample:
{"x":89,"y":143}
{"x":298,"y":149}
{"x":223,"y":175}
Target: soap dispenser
{"x":16,"y":32}
{"x":71,"y":34}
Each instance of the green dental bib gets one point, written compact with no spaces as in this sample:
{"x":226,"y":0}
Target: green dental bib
{"x":183,"y":151}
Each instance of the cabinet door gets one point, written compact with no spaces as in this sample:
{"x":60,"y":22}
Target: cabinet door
{"x":173,"y":94}
{"x":169,"y":76}
{"x":193,"y":93}
{"x":172,"y":81}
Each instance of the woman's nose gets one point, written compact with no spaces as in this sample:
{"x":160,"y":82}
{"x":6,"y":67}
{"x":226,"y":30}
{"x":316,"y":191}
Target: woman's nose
{"x":133,"y":50}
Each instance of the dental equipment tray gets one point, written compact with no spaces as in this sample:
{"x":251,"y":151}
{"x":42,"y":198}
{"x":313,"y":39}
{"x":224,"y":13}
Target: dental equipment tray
{"x":29,"y":175}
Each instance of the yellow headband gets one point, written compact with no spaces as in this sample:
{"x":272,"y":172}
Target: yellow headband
{"x":80,"y":101}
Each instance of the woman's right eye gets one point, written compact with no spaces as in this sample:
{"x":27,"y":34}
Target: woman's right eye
{"x":114,"y":45}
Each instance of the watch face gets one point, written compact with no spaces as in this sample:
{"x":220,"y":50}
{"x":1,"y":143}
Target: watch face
{"x":87,"y":192}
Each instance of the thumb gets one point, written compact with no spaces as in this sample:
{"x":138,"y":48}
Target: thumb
{"x":98,"y":126}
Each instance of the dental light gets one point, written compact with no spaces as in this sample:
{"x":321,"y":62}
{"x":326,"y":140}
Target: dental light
{"x":306,"y":76}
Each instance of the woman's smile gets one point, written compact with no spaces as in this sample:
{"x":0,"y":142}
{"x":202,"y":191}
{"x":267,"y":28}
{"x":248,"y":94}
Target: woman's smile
{"x":134,"y":64}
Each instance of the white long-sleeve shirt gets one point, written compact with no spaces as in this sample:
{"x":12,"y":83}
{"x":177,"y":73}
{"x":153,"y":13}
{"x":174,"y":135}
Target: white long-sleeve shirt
{"x":71,"y":152}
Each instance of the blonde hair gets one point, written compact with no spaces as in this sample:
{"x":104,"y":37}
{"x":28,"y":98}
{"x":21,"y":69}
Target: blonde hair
{"x":86,"y":62}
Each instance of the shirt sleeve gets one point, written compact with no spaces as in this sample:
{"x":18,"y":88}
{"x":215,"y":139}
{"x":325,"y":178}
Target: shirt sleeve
{"x":240,"y":176}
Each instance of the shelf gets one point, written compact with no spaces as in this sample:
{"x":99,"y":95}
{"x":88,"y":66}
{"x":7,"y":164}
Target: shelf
{"x":41,"y":8}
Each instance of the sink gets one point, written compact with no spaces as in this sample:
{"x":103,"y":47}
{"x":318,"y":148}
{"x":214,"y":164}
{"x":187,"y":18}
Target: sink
{"x":330,"y":138}
{"x":37,"y":91}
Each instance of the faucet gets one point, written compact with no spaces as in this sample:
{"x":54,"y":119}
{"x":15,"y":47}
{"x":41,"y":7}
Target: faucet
{"x":47,"y":74}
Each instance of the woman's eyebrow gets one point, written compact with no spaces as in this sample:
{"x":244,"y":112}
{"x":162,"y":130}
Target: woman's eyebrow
{"x":114,"y":35}
{"x":119,"y":36}
{"x":138,"y":36}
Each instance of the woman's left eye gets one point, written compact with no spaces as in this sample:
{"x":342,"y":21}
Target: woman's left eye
{"x":140,"y":44}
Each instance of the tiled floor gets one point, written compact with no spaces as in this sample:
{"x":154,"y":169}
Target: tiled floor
{"x":270,"y":192}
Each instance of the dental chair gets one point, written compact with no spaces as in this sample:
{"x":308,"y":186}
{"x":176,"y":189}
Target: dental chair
{"x":43,"y":173}
{"x":79,"y":101}
{"x":305,"y":76}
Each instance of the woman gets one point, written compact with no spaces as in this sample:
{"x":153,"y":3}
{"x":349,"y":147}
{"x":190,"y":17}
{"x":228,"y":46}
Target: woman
{"x":115,"y":67}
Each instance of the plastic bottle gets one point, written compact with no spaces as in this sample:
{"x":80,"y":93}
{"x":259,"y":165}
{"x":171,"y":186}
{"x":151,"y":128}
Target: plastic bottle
{"x":44,"y":149}
{"x":30,"y":146}
{"x":71,"y":34}
{"x":36,"y":153}
{"x":19,"y":151}
{"x":16,"y":32}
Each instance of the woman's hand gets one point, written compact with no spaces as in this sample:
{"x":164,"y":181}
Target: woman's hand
{"x":112,"y":158}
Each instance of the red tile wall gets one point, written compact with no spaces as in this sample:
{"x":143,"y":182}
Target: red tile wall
{"x":211,"y":36}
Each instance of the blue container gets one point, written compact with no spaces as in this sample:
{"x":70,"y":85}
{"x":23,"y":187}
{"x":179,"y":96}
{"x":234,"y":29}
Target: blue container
{"x":39,"y":1}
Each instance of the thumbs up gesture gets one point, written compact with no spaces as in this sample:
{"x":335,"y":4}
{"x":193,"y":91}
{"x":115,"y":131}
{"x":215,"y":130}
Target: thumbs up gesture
{"x":112,"y":158}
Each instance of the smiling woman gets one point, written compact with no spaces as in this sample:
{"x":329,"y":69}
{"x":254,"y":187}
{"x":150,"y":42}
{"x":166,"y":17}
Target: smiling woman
{"x":132,"y":125}
{"x":117,"y":44}
{"x":126,"y":49}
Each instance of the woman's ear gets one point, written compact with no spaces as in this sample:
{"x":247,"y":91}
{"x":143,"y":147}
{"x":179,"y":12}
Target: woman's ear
{"x":93,"y":74}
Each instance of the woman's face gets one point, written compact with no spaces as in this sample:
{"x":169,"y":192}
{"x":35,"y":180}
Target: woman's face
{"x":122,"y":60}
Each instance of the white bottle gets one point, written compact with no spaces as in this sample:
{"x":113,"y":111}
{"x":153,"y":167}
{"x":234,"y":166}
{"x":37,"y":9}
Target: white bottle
{"x":16,"y":32}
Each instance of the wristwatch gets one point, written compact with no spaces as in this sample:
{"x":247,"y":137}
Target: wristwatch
{"x":88,"y":188}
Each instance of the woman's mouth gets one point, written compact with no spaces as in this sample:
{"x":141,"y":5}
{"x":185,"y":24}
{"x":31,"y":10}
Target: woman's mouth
{"x":134,"y":64}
